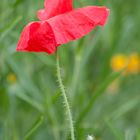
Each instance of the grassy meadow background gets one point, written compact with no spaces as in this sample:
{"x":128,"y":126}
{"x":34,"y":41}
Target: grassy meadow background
{"x":104,"y":102}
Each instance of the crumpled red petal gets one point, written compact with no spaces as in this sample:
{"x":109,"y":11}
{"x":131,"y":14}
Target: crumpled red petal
{"x":77,"y":23}
{"x":45,"y":36}
{"x":53,"y":8}
{"x":37,"y":37}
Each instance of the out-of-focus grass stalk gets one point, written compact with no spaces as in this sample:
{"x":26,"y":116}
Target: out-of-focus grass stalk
{"x":35,"y":126}
{"x":98,"y":93}
{"x":138,"y":135}
{"x":66,"y":103}
{"x":10,"y":27}
{"x":125,"y":107}
{"x":80,"y":60}
{"x":24,"y":80}
{"x":117,"y":134}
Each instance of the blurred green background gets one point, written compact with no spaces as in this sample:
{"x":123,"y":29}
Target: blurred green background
{"x":104,"y":103}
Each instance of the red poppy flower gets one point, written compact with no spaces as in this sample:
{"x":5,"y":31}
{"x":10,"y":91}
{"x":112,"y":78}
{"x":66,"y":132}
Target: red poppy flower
{"x":59,"y":24}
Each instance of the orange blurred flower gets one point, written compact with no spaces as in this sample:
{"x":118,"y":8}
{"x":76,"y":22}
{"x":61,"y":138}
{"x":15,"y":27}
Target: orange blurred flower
{"x":118,"y":62}
{"x":134,"y":64}
{"x":131,"y":63}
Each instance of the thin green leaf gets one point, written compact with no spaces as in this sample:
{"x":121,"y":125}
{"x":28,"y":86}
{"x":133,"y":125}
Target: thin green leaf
{"x":34,"y":127}
{"x":125,"y":107}
{"x":117,"y":134}
{"x":130,"y":133}
{"x":97,"y":94}
{"x":23,"y":96}
{"x":81,"y":59}
{"x":26,"y":83}
{"x":10,"y":27}
{"x":138,"y":135}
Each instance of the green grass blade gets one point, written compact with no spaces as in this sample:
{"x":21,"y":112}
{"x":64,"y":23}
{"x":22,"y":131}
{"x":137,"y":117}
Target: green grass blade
{"x":21,"y":95}
{"x":138,"y":134}
{"x":130,"y":134}
{"x":117,"y":134}
{"x":126,"y":107}
{"x":26,"y":83}
{"x":97,"y":94}
{"x":10,"y":27}
{"x":80,"y":61}
{"x":34,"y":127}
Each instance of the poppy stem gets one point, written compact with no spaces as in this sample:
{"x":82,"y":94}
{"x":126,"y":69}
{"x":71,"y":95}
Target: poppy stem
{"x":66,"y":103}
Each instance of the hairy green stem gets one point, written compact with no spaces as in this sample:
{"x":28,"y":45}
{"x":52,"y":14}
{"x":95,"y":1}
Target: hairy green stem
{"x":67,"y":106}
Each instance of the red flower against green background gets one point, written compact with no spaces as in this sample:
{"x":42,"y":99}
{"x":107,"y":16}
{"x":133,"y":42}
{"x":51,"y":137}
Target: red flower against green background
{"x":60,"y":24}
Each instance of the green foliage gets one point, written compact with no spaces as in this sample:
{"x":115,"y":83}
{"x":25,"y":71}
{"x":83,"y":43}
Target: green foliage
{"x":28,"y":86}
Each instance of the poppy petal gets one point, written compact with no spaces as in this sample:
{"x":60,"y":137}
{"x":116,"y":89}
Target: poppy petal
{"x":53,"y":8}
{"x":77,"y":23}
{"x":37,"y":37}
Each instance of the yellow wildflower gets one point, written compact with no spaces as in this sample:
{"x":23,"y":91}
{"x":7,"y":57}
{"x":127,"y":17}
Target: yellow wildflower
{"x":131,"y":63}
{"x":11,"y":78}
{"x":134,"y":64}
{"x":118,"y":62}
